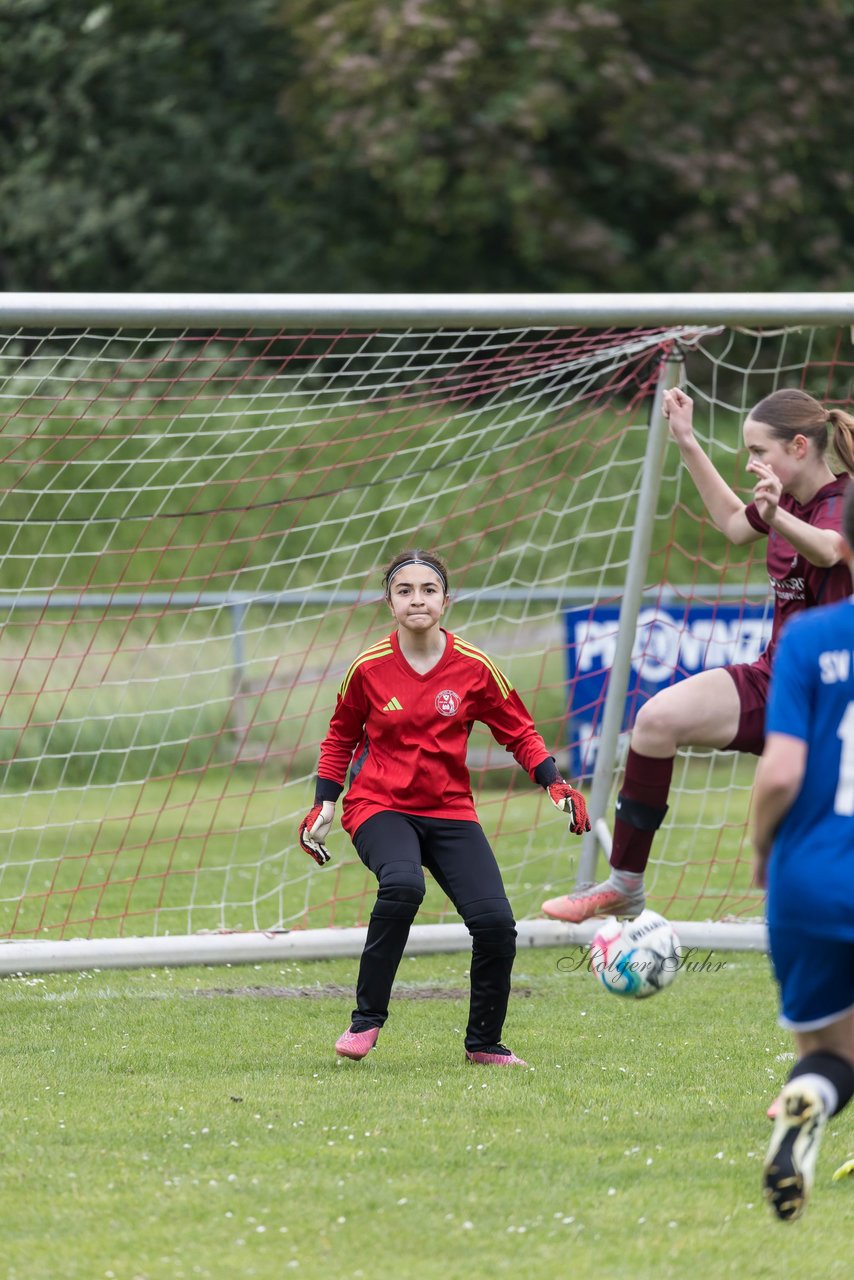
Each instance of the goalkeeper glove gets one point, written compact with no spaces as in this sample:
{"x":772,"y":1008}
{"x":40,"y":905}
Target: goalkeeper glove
{"x":314,"y":829}
{"x":568,"y":800}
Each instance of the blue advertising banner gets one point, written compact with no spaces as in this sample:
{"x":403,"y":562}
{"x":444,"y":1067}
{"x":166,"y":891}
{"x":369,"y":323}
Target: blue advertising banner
{"x":671,"y":643}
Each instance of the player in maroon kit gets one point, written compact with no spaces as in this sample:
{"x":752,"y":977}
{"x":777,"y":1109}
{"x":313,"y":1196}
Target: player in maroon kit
{"x":401,"y":726}
{"x":797,"y":505}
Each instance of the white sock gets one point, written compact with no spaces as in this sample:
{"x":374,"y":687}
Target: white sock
{"x":628,"y":882}
{"x":825,"y":1089}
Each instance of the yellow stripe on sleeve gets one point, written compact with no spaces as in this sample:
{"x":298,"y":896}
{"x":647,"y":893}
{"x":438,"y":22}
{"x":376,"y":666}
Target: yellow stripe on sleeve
{"x":469,"y":651}
{"x":382,"y":649}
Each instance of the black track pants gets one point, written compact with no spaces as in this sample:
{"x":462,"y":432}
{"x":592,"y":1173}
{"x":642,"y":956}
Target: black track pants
{"x":395,"y":846}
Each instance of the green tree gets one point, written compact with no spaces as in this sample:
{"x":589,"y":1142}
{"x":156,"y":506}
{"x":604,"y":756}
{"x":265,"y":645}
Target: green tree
{"x":605,"y":144}
{"x":425,"y":144}
{"x":141,"y":146}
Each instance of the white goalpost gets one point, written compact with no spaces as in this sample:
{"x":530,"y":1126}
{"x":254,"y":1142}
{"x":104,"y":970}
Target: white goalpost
{"x":196,"y":496}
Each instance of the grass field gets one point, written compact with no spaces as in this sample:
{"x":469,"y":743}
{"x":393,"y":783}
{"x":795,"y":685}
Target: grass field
{"x":197,"y":1123}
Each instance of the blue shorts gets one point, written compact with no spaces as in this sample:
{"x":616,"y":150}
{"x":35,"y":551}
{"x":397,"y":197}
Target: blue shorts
{"x":816,"y":977}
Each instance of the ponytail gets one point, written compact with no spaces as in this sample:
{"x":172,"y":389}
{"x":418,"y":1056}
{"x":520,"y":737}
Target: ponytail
{"x":843,"y":437}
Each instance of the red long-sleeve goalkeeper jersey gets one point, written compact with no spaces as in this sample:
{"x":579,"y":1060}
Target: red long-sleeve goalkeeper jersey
{"x":405,"y":734}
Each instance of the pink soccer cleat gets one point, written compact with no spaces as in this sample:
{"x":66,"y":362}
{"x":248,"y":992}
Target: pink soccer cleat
{"x":599,"y":900}
{"x":355,"y":1044}
{"x":495,"y":1055}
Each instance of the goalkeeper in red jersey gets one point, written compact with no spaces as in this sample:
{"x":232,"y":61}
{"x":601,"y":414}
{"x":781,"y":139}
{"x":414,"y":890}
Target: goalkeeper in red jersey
{"x":797,"y":505}
{"x":401,"y":726}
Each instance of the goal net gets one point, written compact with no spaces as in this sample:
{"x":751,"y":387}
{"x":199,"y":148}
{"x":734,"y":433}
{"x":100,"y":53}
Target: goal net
{"x":194,"y":522}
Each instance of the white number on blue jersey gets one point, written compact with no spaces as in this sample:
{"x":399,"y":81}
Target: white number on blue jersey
{"x":843,"y":802}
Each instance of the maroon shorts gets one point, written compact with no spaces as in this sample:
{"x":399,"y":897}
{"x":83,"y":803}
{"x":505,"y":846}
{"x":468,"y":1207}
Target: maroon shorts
{"x":751,"y":682}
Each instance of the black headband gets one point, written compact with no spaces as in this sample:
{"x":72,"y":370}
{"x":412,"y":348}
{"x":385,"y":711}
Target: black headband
{"x":427,"y":565}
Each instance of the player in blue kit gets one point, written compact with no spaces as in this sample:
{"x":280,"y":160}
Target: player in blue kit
{"x":803,"y":836}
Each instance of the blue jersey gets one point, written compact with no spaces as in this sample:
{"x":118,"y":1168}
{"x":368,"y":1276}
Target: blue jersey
{"x":811,"y":872}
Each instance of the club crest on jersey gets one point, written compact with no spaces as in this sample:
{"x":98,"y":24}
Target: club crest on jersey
{"x":448,"y":702}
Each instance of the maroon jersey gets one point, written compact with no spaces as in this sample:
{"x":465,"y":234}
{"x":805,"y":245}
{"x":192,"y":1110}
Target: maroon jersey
{"x":796,"y":583}
{"x":406,"y":734}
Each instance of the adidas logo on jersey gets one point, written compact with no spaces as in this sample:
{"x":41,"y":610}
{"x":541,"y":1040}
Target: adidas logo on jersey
{"x":393,"y":705}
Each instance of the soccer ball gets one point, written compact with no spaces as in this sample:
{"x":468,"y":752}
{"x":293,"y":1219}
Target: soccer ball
{"x":636,"y":957}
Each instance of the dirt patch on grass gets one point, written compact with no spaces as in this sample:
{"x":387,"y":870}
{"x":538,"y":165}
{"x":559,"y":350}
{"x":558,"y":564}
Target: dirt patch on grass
{"x":332,"y":990}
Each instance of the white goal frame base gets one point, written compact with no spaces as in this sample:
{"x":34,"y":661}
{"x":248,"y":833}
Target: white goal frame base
{"x":327,"y":944}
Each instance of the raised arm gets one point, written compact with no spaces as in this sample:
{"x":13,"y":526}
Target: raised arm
{"x":822,"y":546}
{"x":722,"y":503}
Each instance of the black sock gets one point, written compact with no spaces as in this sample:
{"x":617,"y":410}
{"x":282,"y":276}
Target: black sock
{"x":837,"y":1072}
